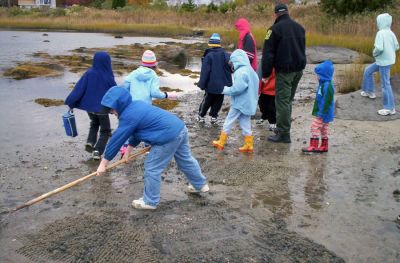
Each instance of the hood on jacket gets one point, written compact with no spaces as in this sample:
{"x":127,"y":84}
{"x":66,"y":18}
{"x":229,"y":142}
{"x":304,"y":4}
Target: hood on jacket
{"x":242,"y":25}
{"x":384,"y":21}
{"x":143,"y":74}
{"x":117,"y":98}
{"x":102,"y":62}
{"x":239,"y":59}
{"x":325,"y":70}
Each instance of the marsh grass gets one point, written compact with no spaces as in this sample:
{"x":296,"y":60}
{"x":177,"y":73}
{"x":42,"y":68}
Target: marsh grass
{"x":351,"y":78}
{"x":356,"y":32}
{"x":108,"y":27}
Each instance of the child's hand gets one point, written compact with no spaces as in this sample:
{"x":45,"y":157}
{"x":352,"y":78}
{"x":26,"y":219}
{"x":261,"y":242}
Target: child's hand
{"x":172,"y":95}
{"x":127,"y":153}
{"x":265,"y":80}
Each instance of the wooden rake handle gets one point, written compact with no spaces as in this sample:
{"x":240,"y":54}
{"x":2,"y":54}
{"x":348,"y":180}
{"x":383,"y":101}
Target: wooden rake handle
{"x":69,"y":185}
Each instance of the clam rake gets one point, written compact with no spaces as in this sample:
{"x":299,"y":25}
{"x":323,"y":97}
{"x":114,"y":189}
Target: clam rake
{"x":71,"y":184}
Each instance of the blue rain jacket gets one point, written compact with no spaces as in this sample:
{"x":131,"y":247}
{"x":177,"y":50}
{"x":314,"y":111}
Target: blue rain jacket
{"x":324,"y":105}
{"x":143,"y":84}
{"x":386,"y":43}
{"x":92,"y":86}
{"x":244,"y":91}
{"x":138,"y":121}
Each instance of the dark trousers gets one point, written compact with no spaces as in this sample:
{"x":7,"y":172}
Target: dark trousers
{"x":211,"y":100}
{"x":97,"y":121}
{"x":285,"y":89}
{"x":267,"y":108}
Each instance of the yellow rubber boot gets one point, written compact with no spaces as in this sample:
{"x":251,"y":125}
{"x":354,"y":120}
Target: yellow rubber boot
{"x":221,"y":142}
{"x":248,"y":145}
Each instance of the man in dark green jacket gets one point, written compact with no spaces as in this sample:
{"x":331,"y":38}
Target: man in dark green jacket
{"x":284,"y":50}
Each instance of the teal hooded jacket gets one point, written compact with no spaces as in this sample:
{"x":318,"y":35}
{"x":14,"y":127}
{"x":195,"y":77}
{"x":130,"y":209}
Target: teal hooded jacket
{"x":386,"y":43}
{"x":143,"y":84}
{"x":244,"y":91}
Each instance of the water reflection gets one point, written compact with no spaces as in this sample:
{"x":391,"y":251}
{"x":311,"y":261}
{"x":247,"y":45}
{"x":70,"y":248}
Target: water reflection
{"x":315,"y":186}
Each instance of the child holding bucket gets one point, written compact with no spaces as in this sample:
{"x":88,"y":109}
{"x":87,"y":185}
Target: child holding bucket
{"x":87,"y":95}
{"x":244,"y":95}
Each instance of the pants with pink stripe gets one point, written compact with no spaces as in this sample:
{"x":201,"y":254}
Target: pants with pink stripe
{"x":319,"y":128}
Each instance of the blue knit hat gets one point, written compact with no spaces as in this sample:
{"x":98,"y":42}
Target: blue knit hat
{"x":215,"y":40}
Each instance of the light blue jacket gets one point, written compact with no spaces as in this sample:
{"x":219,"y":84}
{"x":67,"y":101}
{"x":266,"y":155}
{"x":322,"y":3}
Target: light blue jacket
{"x":386,"y":43}
{"x":143,"y":84}
{"x":244,"y":91}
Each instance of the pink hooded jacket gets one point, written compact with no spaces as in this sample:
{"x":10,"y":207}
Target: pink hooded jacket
{"x":243,"y":26}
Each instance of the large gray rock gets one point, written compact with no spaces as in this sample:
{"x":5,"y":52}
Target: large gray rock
{"x":176,"y":55}
{"x":352,"y":106}
{"x":317,"y":54}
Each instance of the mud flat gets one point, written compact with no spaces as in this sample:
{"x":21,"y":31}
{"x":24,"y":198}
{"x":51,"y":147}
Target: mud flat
{"x":276,"y":205}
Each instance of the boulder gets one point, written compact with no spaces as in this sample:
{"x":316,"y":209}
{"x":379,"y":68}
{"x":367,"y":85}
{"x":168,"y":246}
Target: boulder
{"x":175,"y":54}
{"x":338,"y":55}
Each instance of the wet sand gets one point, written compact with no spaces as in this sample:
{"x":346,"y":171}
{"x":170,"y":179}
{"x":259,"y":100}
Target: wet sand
{"x":276,"y":205}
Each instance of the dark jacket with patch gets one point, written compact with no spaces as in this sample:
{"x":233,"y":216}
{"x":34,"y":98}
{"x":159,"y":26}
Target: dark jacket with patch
{"x":215,"y":71}
{"x":284,"y":47}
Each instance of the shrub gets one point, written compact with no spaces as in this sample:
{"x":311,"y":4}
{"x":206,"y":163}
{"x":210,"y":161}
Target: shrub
{"x":58,"y":12}
{"x":227,"y":6}
{"x":16,"y":11}
{"x":159,"y":4}
{"x":76,"y":2}
{"x":211,"y":7}
{"x":118,"y":3}
{"x":345,"y":7}
{"x":139,"y":2}
{"x":97,"y":4}
{"x":260,"y":8}
{"x":190,"y":6}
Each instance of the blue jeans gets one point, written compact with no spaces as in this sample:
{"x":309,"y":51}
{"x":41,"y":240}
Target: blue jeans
{"x":244,"y":120}
{"x":159,"y":158}
{"x":368,"y":84}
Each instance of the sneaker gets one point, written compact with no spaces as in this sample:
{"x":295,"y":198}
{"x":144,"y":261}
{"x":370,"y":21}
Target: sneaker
{"x":89,"y":147}
{"x":96,"y":155}
{"x":214,"y":120}
{"x":371,"y":95}
{"x":260,"y":121}
{"x":201,"y":119}
{"x":140,"y":204}
{"x":272,"y":127}
{"x":193,"y":190}
{"x":385,"y":112}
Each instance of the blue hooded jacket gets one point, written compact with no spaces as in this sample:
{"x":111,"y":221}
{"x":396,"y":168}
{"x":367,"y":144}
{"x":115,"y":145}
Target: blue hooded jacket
{"x":143,"y":84}
{"x":92,"y":86}
{"x":324,"y":105}
{"x":138,"y":121}
{"x":215,"y":72}
{"x":244,"y":92}
{"x":386,"y":43}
